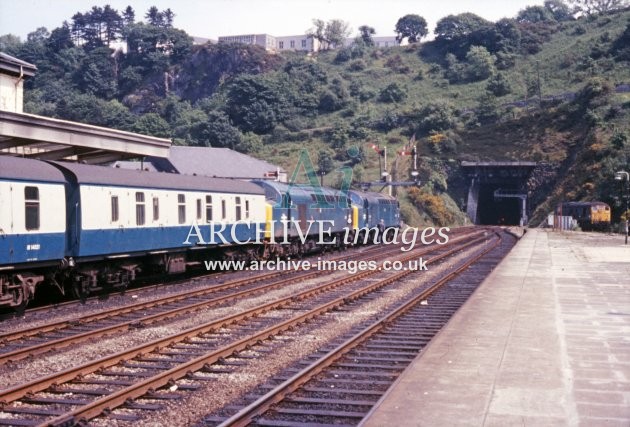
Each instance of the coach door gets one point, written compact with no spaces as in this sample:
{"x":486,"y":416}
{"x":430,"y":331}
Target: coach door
{"x":6,"y":224}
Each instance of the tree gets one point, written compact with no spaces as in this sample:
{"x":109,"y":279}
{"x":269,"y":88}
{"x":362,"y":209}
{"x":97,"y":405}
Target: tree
{"x":336,"y":32}
{"x":152,"y":124}
{"x":169,"y":16}
{"x":329,"y":34}
{"x":154,"y":48}
{"x":508,"y":36}
{"x":593,"y":7}
{"x":38,"y":36}
{"x":559,"y":9}
{"x":487,"y":109}
{"x":257,"y":103}
{"x":457,"y":26}
{"x":113,"y":24}
{"x":60,"y":38}
{"x":98,"y":27}
{"x":215,"y":131}
{"x":154,"y":17}
{"x":96,"y":74}
{"x":324,"y":162}
{"x":480,"y":63}
{"x":366,"y":33}
{"x":10,"y":43}
{"x":129,"y":16}
{"x":535,"y":14}
{"x":412,"y":27}
{"x":317,"y":32}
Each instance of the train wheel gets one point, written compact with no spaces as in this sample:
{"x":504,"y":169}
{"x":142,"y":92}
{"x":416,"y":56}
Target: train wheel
{"x":24,"y":290}
{"x":20,"y":301}
{"x":80,"y":290}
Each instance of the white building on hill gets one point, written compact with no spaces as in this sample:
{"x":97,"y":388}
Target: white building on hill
{"x":300,"y":42}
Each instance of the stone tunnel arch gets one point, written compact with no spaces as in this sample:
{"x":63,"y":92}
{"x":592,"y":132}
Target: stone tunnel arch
{"x":497,"y":192}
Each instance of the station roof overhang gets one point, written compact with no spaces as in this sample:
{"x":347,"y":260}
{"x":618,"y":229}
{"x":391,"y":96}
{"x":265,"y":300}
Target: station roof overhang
{"x":45,"y":138}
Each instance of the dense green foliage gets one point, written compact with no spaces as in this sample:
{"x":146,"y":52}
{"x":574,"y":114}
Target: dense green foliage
{"x":411,"y":27}
{"x":480,"y":90}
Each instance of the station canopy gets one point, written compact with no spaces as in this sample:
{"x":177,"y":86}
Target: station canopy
{"x":45,"y":138}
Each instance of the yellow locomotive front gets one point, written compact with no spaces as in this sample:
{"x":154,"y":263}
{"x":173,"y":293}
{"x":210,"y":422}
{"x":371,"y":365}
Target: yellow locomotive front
{"x":600,"y":215}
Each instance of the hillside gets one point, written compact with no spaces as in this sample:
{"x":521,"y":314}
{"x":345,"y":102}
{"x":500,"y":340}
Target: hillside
{"x":547,"y":88}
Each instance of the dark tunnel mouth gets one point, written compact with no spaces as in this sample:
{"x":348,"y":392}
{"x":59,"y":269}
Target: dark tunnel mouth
{"x":500,"y":211}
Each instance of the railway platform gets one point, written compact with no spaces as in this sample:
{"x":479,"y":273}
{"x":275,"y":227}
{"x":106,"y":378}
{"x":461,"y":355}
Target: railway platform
{"x":545,"y":340}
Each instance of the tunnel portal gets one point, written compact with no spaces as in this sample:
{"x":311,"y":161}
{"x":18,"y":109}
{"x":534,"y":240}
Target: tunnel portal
{"x":497,"y":192}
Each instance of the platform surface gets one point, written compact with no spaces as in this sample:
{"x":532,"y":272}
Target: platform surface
{"x":544,"y":341}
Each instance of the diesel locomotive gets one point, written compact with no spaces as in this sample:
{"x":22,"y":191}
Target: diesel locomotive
{"x":589,"y":215}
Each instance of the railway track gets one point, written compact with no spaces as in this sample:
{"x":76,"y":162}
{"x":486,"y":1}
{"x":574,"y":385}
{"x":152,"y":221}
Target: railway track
{"x":341,"y":384}
{"x":144,"y":286}
{"x":90,"y":390}
{"x":32,"y":341}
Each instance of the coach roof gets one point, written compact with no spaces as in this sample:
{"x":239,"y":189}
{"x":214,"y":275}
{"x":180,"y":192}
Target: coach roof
{"x":28,"y":170}
{"x":101,"y":175}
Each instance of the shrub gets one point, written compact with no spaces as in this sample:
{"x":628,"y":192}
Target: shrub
{"x":329,"y":102}
{"x":366,"y":94}
{"x":343,"y":55}
{"x":392,"y":93}
{"x":487,"y":109}
{"x":396,"y":64}
{"x":579,"y":30}
{"x":339,"y":136}
{"x":358,"y":65}
{"x":389,"y":121}
{"x":250,"y":143}
{"x":619,"y":140}
{"x":437,"y":116}
{"x":499,"y":85}
{"x":480,"y":63}
{"x":434,"y":68}
{"x":433,"y":205}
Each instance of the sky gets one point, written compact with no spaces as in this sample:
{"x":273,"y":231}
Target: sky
{"x":213,"y":18}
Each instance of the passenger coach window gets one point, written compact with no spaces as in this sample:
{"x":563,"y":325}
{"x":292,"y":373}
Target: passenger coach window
{"x":156,"y":209}
{"x":181,"y":209}
{"x":31,"y":199}
{"x":140,"y":217}
{"x":246,"y":209}
{"x":199,"y":210}
{"x":114,"y":208}
{"x":223,"y":209}
{"x":238,"y":208}
{"x":208,"y":208}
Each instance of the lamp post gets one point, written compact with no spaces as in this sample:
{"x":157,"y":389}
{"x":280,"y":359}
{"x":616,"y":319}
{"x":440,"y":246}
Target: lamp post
{"x":624,"y":176}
